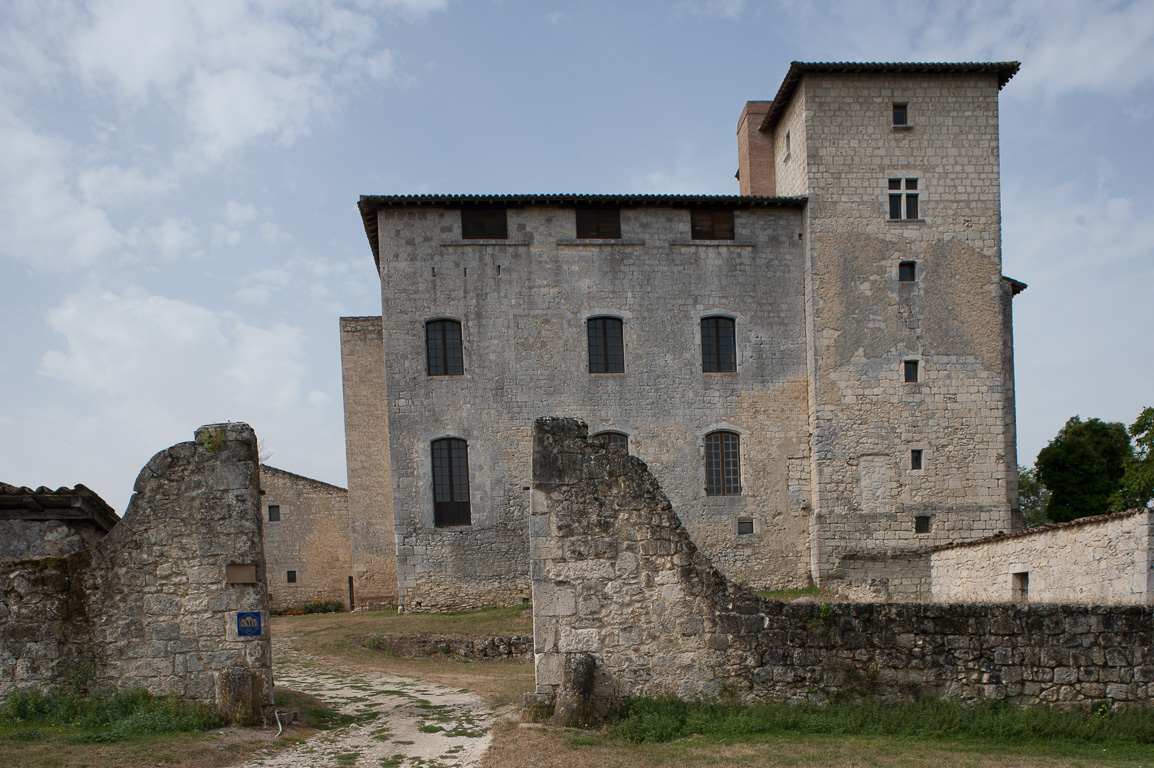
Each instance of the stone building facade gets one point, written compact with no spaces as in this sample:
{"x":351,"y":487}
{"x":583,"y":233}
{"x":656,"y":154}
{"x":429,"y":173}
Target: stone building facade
{"x":819,"y":371}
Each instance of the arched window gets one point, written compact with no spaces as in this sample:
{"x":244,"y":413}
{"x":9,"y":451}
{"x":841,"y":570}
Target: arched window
{"x":606,"y":345}
{"x":619,"y":439}
{"x":451,"y":482}
{"x":718,"y":344}
{"x":722,"y":464}
{"x":443,"y":346}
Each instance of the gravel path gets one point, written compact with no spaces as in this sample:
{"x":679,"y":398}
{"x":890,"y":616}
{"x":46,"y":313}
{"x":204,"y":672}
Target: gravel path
{"x":401,"y":723}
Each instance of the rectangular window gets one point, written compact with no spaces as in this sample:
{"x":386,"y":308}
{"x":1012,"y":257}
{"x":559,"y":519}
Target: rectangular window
{"x":718,"y":345}
{"x":911,"y":371}
{"x":599,"y":223}
{"x":903,"y":206}
{"x":606,"y":345}
{"x":273,"y":513}
{"x":907,"y":271}
{"x":711,"y":223}
{"x":484,"y":224}
{"x":744,"y":527}
{"x":922,"y":524}
{"x":916,"y":458}
{"x":722,"y":464}
{"x":291,"y":577}
{"x":613,"y":440}
{"x":1020,"y":587}
{"x":451,"y":482}
{"x":443,"y":348}
{"x":901,"y":114}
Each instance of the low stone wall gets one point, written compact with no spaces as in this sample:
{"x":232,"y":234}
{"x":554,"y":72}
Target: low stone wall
{"x":1103,"y":560}
{"x":616,"y":576}
{"x":150,"y":604}
{"x":496,"y":648}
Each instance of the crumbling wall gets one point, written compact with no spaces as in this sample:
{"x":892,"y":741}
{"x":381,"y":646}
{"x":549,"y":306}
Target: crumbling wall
{"x":616,"y":576}
{"x":150,"y":604}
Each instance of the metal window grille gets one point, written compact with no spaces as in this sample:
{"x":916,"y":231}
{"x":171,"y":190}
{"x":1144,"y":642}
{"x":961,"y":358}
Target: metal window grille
{"x":722,"y":464}
{"x":443,"y":344}
{"x":718,"y":344}
{"x":451,"y":482}
{"x":606,"y":345}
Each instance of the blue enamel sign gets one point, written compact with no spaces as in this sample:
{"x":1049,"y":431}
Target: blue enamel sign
{"x":248,"y":624}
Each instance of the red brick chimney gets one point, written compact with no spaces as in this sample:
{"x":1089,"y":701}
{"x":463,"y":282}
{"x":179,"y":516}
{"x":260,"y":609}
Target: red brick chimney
{"x":755,"y":151}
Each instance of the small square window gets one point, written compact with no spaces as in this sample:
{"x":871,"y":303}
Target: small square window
{"x":484,"y":224}
{"x":901,"y":114}
{"x":911,"y":371}
{"x":599,"y":223}
{"x":916,"y":458}
{"x":291,"y":577}
{"x":712,"y":223}
{"x":273,"y":513}
{"x":922,"y":524}
{"x":907,"y":271}
{"x":744,"y":527}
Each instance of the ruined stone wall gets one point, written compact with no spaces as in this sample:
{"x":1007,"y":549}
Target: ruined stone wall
{"x":149,"y":605}
{"x":308,"y":542}
{"x":27,"y":539}
{"x":1105,"y":560}
{"x":523,"y":305}
{"x":865,"y":323}
{"x":373,"y":541}
{"x":616,"y":576}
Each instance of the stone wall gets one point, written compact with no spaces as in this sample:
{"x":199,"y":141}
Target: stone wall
{"x":1104,"y":560}
{"x":308,"y":542}
{"x":26,"y":539}
{"x":616,"y":576}
{"x":150,"y":605}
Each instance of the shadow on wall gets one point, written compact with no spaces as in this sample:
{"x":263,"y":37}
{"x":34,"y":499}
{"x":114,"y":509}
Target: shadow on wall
{"x":617,"y":579}
{"x":173,"y":599}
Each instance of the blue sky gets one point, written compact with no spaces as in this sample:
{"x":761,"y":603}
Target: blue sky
{"x":178,"y":185}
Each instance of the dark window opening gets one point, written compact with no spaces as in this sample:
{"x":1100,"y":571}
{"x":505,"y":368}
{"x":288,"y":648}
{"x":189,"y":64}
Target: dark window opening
{"x":907,"y":271}
{"x":718,"y":344}
{"x":291,"y":577}
{"x":273,"y":513}
{"x":443,"y":345}
{"x":606,"y":345}
{"x":722,"y":464}
{"x":916,"y":458}
{"x":599,"y":223}
{"x":922,"y":524}
{"x":744,"y":527}
{"x":451,"y":482}
{"x":903,"y":206}
{"x":911,"y":371}
{"x":613,"y":439}
{"x":901,"y":114}
{"x":484,"y":224}
{"x":712,"y":223}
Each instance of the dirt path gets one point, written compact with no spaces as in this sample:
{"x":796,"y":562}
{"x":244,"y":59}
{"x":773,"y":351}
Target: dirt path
{"x":401,"y":723}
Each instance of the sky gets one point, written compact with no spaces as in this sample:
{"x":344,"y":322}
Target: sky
{"x":178,"y":185}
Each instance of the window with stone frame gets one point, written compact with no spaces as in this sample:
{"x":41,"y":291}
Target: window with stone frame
{"x":451,"y":482}
{"x":903,"y":199}
{"x":291,"y":577}
{"x":910,"y":371}
{"x":274,"y":513}
{"x":722,"y":464}
{"x":606,"y":345}
{"x":443,"y":348}
{"x":718,"y":344}
{"x":907,"y":271}
{"x":901,"y":113}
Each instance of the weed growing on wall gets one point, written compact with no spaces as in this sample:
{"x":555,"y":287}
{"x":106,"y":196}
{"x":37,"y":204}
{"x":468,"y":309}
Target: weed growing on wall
{"x":316,"y":606}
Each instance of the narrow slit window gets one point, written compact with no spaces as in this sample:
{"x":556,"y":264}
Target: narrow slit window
{"x":718,"y":344}
{"x":451,"y":482}
{"x":722,"y":464}
{"x":606,"y":345}
{"x":273,"y":513}
{"x":599,"y":223}
{"x":711,"y":223}
{"x":907,"y":271}
{"x":911,"y":371}
{"x":484,"y":224}
{"x":443,"y":347}
{"x":916,"y":458}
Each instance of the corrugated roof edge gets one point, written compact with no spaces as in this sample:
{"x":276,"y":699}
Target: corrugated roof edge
{"x":370,"y":204}
{"x":1039,"y":529}
{"x":1003,"y":69}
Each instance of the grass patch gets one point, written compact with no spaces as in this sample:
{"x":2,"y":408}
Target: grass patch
{"x":786,"y":595}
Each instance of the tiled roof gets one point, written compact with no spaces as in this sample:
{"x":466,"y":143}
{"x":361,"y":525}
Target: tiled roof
{"x":369,"y":204}
{"x":1039,"y":529}
{"x":78,"y":503}
{"x":1003,"y":69}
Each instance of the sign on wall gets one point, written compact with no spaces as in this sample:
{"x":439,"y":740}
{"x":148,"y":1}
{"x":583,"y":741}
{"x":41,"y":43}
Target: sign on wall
{"x":248,"y":624}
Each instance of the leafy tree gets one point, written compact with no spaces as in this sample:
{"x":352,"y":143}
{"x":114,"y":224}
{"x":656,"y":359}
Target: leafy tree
{"x":1083,"y":468}
{"x":1138,"y":481}
{"x":1032,"y":497}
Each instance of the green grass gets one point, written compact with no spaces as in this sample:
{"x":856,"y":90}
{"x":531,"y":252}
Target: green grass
{"x":988,"y":723}
{"x":31,"y":715}
{"x":786,"y":595}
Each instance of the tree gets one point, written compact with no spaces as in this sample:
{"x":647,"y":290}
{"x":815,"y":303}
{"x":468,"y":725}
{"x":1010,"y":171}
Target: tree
{"x":1032,"y":497}
{"x":1083,"y":468}
{"x":1138,"y":481}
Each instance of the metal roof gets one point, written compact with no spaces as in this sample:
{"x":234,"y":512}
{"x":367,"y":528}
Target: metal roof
{"x":1003,"y":69}
{"x":370,"y":204}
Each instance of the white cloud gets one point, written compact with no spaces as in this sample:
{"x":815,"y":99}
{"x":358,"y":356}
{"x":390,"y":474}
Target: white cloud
{"x":237,"y":213}
{"x":260,"y":286}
